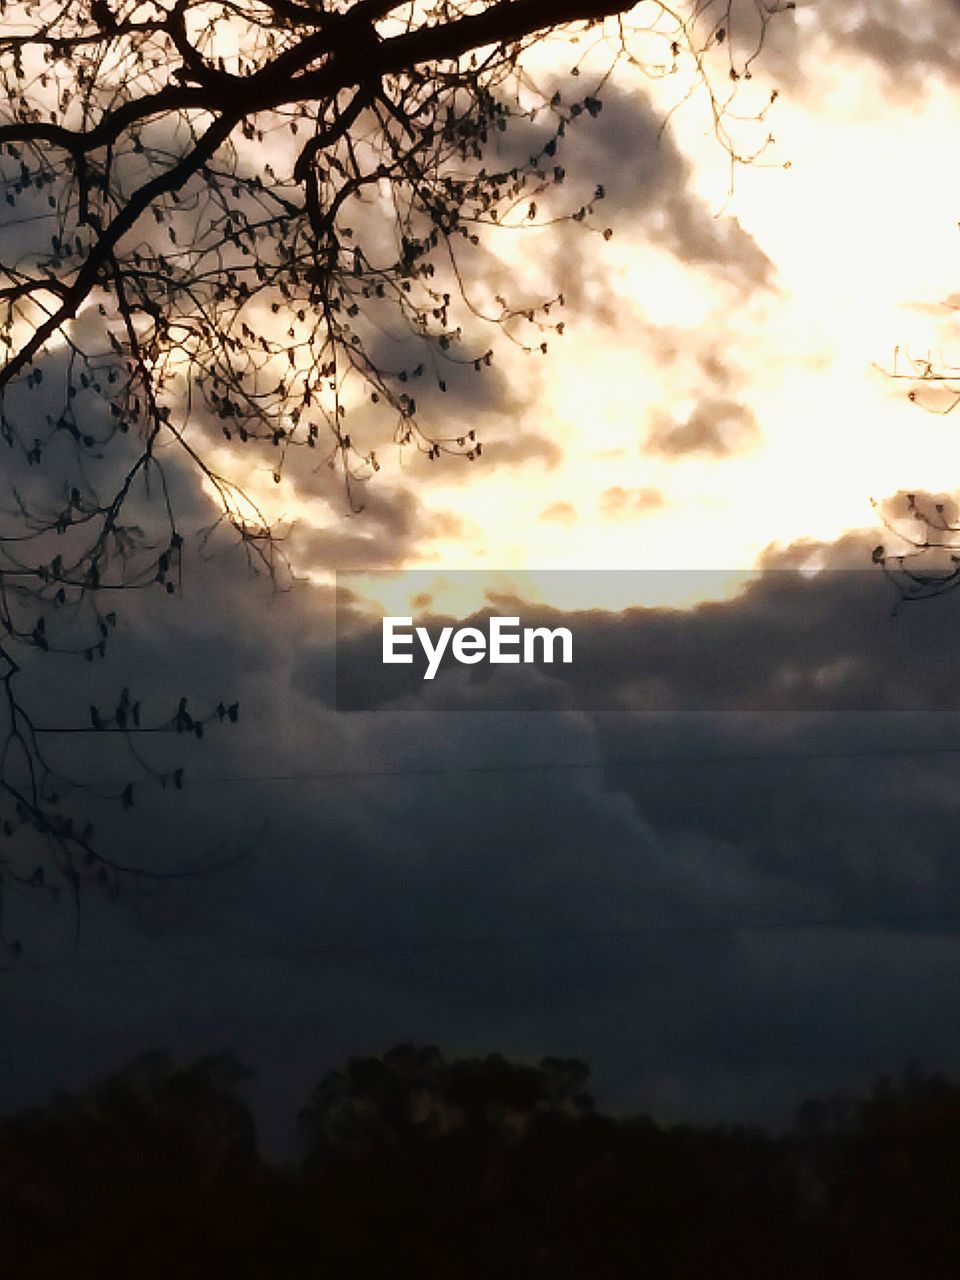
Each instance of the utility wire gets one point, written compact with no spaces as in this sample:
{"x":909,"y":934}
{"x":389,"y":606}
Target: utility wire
{"x":642,"y":762}
{"x":917,"y":921}
{"x":322,"y":951}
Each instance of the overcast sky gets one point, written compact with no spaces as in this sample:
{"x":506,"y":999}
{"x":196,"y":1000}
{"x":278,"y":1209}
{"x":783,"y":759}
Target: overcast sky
{"x":717,"y":940}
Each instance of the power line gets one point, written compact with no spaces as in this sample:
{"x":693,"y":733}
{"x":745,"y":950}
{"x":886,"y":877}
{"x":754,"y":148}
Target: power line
{"x":332,"y":950}
{"x":643,"y":762}
{"x":916,"y":921}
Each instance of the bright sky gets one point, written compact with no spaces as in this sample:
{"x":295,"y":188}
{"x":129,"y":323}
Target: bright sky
{"x":861,"y":228}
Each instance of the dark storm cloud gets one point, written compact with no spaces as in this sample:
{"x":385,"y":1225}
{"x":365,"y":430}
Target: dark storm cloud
{"x":788,"y":642}
{"x":71,"y":422}
{"x":715,"y":427}
{"x":697,"y":1021}
{"x":810,"y":836}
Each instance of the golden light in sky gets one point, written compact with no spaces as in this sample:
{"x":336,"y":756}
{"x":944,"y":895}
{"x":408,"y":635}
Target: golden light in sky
{"x":855,"y":209}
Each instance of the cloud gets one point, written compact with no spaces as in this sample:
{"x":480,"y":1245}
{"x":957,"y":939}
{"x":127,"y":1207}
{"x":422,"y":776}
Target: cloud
{"x":559,"y":512}
{"x":392,"y":523}
{"x":525,"y":446}
{"x":793,"y":640}
{"x":417,"y":874}
{"x":715,"y":427}
{"x":632,"y":871}
{"x":905,"y":40}
{"x":622,"y":161}
{"x":620,"y":503}
{"x":505,"y":444}
{"x":467,"y":393}
{"x":646,"y":184}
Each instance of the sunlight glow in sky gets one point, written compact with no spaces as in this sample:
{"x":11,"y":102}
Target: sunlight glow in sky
{"x":861,"y":230}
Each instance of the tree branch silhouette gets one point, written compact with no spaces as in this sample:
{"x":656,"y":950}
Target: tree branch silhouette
{"x":214,"y":212}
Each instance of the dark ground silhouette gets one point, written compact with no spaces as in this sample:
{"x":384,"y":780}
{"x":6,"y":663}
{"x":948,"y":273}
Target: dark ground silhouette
{"x":412,"y":1164}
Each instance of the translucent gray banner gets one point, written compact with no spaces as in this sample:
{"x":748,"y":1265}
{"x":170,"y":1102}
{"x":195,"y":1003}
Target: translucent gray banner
{"x":643,"y":640}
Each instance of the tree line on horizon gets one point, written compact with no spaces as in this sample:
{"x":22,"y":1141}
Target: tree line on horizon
{"x":415,"y":1163}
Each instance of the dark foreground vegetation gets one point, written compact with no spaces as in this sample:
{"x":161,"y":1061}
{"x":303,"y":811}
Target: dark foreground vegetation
{"x":412,"y":1164}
